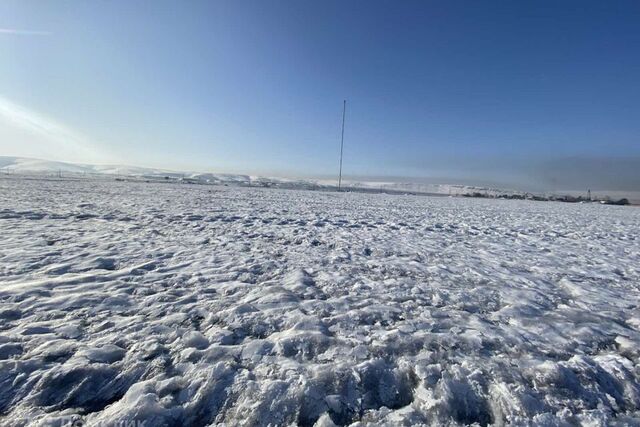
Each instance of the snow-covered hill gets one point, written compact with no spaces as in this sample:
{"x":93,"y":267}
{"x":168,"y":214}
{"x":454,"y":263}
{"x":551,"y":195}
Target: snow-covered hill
{"x":35,"y":166}
{"x":27,"y":165}
{"x":20,"y":165}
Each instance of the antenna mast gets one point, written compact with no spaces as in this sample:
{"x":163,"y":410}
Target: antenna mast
{"x":344,"y":110}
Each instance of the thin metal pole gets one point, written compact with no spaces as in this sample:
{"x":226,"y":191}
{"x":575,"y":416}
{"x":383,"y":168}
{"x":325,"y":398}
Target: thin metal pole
{"x":344,"y":110}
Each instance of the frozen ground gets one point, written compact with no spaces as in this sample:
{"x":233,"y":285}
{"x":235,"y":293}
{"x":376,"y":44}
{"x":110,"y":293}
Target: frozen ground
{"x":196,"y":305}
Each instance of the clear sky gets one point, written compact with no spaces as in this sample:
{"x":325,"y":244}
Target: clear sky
{"x":530,"y":93}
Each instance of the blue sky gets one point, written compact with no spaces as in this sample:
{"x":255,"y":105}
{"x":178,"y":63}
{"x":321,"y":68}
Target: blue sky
{"x":496,"y":91}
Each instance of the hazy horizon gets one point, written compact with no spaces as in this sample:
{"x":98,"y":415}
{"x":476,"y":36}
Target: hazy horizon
{"x":546,"y":185}
{"x":538,"y":96}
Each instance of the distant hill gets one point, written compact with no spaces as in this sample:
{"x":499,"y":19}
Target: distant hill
{"x":22,"y":165}
{"x":27,"y":165}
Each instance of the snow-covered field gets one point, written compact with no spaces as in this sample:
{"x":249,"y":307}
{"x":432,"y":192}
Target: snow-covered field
{"x":188,"y":305}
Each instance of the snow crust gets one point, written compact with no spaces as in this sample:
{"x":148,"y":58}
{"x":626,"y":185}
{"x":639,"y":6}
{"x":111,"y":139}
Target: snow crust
{"x":201,"y":305}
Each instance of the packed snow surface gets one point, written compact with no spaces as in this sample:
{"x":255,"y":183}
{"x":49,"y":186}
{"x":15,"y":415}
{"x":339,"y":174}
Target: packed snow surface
{"x":188,"y":305}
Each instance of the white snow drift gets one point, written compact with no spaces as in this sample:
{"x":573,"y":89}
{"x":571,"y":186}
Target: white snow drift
{"x":197,"y":305}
